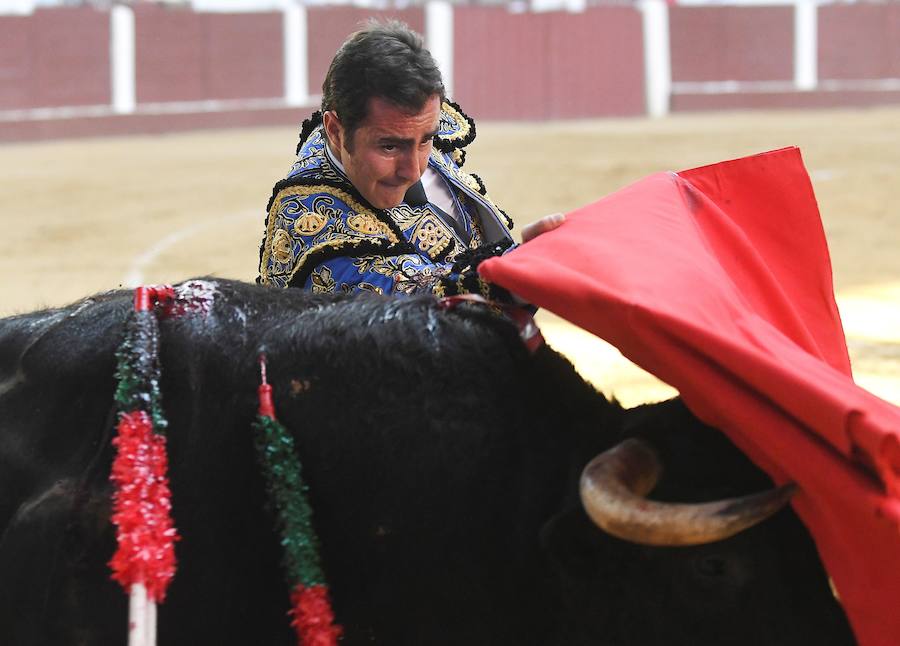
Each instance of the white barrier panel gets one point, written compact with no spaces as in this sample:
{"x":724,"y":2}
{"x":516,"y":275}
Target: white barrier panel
{"x":121,"y":59}
{"x":806,"y":45}
{"x":657,"y":57}
{"x":296,"y":52}
{"x":439,"y":39}
{"x":16,"y":7}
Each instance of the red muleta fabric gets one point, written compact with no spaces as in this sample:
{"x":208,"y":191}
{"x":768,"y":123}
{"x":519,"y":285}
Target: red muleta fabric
{"x":718,"y":281}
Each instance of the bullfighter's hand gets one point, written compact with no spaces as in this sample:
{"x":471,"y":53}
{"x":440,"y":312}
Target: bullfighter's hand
{"x":545,"y":224}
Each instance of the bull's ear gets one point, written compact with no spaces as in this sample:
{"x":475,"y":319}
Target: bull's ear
{"x":569,"y":540}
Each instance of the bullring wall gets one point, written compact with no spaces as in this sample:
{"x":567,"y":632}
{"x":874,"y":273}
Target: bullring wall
{"x":188,"y":69}
{"x":746,"y":57}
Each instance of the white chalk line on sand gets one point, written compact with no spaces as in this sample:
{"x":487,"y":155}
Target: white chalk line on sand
{"x":135,"y":275}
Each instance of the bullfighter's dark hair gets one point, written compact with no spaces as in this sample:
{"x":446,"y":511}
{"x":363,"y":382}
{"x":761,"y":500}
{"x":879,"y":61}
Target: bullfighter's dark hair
{"x":387,"y":60}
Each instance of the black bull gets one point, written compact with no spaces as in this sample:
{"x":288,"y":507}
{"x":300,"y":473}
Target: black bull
{"x":443,"y":463}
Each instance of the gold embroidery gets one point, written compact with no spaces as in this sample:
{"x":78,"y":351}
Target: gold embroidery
{"x":405,"y":216}
{"x":385,"y":265}
{"x":458,"y":120}
{"x":454,"y":253}
{"x":484,"y":288}
{"x":282,"y":250}
{"x":367,"y":224}
{"x":323,"y":204}
{"x":369,"y":287}
{"x":470,"y":181}
{"x":300,"y":192}
{"x":431,"y":237}
{"x":322,"y":282}
{"x":477,"y":234}
{"x":309,"y":223}
{"x":437,"y":156}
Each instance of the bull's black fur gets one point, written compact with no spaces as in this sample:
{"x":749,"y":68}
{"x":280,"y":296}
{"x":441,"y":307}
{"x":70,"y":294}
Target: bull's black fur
{"x":442,"y":461}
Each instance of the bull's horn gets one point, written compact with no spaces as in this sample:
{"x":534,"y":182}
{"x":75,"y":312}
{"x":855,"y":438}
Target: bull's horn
{"x":613,"y":486}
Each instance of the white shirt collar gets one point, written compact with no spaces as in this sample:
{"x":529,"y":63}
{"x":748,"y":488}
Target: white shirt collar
{"x":334,"y":160}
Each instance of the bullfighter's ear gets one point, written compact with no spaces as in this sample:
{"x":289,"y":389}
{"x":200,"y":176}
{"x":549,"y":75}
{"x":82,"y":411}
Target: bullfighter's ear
{"x":334,"y":130}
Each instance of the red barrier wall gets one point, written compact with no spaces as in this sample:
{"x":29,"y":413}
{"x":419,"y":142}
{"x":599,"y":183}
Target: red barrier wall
{"x":507,"y":65}
{"x":855,"y":42}
{"x":54,"y":58}
{"x":187,"y":56}
{"x":497,"y":63}
{"x":548,"y":65}
{"x":731,"y":43}
{"x":328,"y":27}
{"x":859,"y":41}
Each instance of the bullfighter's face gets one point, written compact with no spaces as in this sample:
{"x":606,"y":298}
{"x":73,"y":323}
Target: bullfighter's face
{"x":388,"y":152}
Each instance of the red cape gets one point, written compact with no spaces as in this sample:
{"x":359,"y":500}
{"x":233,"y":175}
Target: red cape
{"x":718,"y":281}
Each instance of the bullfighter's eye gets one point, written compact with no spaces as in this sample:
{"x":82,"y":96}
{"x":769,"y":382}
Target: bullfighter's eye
{"x":711,"y":566}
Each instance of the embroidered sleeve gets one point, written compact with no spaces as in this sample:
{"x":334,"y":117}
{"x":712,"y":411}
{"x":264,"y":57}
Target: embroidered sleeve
{"x":402,"y":274}
{"x":384,"y":274}
{"x":309,"y":224}
{"x":342,"y":275}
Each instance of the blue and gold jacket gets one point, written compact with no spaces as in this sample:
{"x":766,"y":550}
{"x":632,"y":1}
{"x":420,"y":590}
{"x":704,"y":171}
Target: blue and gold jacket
{"x":322,"y":235}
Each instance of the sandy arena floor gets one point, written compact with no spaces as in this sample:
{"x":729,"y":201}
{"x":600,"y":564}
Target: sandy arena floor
{"x":84,"y":216}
